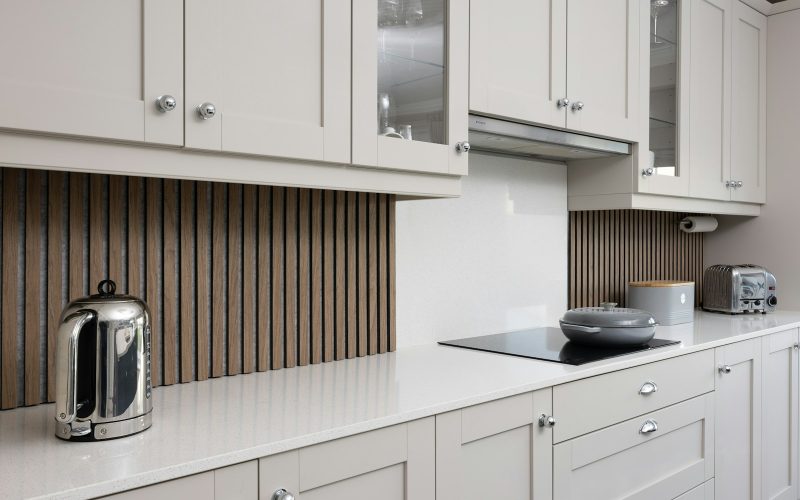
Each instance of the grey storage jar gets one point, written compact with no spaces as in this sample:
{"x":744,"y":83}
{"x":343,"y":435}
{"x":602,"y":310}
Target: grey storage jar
{"x":670,"y":302}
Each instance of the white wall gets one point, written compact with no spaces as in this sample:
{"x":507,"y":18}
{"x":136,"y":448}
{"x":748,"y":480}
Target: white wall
{"x":493,"y":260}
{"x":773,"y":239}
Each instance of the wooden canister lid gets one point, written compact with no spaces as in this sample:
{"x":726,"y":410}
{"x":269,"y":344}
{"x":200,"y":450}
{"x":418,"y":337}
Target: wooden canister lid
{"x":660,"y":283}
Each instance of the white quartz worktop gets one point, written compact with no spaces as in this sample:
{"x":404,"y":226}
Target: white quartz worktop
{"x":211,"y":424}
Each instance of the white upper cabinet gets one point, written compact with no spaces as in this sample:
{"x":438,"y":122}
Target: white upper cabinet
{"x":273,"y":78}
{"x":563,"y":63}
{"x":93,"y":68}
{"x":410,"y":84}
{"x":518,"y":59}
{"x":749,"y":105}
{"x":603,"y":67}
{"x":710,"y":98}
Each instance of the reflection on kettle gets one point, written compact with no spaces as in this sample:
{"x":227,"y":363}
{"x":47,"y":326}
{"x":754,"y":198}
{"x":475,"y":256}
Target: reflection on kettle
{"x":103,"y":386}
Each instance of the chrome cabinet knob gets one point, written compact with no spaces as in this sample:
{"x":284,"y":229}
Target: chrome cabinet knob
{"x":730,"y":184}
{"x":546,"y":420}
{"x":649,"y":426}
{"x":463,"y":147}
{"x":166,"y":103}
{"x":206,"y":110}
{"x":725,"y":369}
{"x":647,"y":172}
{"x":739,"y":184}
{"x":797,"y":347}
{"x":282,"y":494}
{"x":562,"y":103}
{"x":648,"y":388}
{"x":577,"y":106}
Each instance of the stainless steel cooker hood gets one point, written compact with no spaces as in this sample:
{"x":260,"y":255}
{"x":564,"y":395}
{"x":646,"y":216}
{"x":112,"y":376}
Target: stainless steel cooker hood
{"x":501,"y":136}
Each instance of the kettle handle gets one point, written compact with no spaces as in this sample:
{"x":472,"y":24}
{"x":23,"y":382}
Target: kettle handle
{"x":67,"y":364}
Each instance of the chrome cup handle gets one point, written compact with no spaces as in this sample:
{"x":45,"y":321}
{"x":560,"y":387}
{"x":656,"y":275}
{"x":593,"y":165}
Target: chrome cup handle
{"x":67,"y":364}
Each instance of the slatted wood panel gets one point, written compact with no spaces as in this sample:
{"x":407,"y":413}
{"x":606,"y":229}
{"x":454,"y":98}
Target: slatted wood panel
{"x":238,"y":278}
{"x":609,"y":248}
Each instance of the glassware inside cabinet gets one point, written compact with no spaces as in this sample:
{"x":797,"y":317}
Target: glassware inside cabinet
{"x":664,"y":52}
{"x":411,"y":70}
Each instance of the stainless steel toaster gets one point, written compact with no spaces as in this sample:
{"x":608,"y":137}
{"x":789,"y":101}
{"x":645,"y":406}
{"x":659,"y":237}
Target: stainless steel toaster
{"x":739,"y":289}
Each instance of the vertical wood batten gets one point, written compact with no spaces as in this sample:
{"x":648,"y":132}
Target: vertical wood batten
{"x":264,"y":277}
{"x":304,"y":283}
{"x":218,"y":275}
{"x":234,"y":279}
{"x":98,"y":231}
{"x":249,"y":249}
{"x":203,"y":288}
{"x":372,"y":273}
{"x":117,"y":232}
{"x":187,"y":286}
{"x":352,"y":277}
{"x":392,"y":274}
{"x":328,"y":276}
{"x":383,"y":283}
{"x":33,"y":270}
{"x":316,"y":276}
{"x":340,"y":279}
{"x":56,"y":225}
{"x":153,"y":264}
{"x":170,"y":273}
{"x":290,"y":284}
{"x":278,"y":261}
{"x":11,"y":257}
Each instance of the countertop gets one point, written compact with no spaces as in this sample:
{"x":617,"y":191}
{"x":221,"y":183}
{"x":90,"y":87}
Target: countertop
{"x":206,"y":425}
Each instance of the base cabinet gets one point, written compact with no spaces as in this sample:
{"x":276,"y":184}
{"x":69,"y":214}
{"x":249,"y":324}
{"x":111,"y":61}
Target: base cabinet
{"x":703,"y":492}
{"x":664,"y":454}
{"x":394,"y":463}
{"x":496,"y":450}
{"x":779,"y":416}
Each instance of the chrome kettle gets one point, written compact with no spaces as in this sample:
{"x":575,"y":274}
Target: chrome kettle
{"x":103,"y":387}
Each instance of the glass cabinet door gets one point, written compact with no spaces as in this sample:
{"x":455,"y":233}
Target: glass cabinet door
{"x":409,"y":94}
{"x":664,"y":87}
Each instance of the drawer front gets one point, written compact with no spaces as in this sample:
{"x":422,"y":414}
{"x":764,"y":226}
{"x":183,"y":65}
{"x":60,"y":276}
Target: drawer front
{"x":703,"y":492}
{"x":623,"y":462}
{"x":586,"y":405}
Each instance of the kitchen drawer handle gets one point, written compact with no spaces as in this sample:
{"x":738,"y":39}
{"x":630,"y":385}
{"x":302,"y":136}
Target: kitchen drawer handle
{"x":648,"y":388}
{"x":649,"y":426}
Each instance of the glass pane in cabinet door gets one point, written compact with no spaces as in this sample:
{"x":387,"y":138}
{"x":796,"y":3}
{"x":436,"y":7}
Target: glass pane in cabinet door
{"x":411,"y":70}
{"x":664,"y":86}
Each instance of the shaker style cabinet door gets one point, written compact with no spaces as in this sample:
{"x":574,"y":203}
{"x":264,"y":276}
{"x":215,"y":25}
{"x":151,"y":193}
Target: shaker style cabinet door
{"x":269,"y":78}
{"x":394,"y":463}
{"x":496,"y":450}
{"x":738,"y":399}
{"x":93,"y":68}
{"x":603,"y":67}
{"x":410,"y":84}
{"x":749,"y":105}
{"x":518,"y":59}
{"x":780,"y":414}
{"x":710,"y":99}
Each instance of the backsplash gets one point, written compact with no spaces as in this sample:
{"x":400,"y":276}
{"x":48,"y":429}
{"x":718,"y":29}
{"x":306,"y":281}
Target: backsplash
{"x":238,"y":278}
{"x":609,"y":248}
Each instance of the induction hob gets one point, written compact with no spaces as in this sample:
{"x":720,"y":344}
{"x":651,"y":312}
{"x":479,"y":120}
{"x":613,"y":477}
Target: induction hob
{"x":549,"y":344}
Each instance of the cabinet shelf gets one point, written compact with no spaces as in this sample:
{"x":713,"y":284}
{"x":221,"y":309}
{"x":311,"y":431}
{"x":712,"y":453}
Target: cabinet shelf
{"x":659,"y":123}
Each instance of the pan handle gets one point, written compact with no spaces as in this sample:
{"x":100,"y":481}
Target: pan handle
{"x":585,"y":329}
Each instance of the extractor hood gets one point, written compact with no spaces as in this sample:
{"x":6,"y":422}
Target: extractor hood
{"x":501,"y":136}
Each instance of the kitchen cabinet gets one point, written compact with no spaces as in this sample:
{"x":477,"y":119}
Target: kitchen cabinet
{"x":780,"y":416}
{"x":269,"y":78}
{"x":664,"y":454}
{"x":738,"y":400}
{"x":703,"y":492}
{"x":93,"y":68}
{"x":393,"y":463}
{"x":410,"y":64}
{"x":235,"y":482}
{"x":702,"y":137}
{"x":496,"y":449}
{"x":527,"y":57}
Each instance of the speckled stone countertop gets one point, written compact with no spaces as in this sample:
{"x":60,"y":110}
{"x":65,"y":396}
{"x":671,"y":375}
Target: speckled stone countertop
{"x":206,"y":425}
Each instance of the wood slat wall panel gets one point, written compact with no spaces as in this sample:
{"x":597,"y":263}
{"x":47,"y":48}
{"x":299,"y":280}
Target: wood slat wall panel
{"x":237,"y":278}
{"x":609,"y":248}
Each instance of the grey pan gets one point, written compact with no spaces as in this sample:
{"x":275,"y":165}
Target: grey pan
{"x":608,"y":335}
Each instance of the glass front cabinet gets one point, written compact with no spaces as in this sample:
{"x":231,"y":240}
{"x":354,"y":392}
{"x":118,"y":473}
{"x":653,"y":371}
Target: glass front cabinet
{"x":410,"y":85}
{"x":663,"y":148}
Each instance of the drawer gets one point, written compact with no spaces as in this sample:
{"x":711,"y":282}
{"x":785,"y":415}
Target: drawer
{"x":587,"y":405}
{"x":622,"y":462}
{"x":703,"y":492}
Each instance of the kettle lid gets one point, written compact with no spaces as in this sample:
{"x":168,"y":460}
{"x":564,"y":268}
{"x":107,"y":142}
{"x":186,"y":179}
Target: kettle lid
{"x":107,"y":292}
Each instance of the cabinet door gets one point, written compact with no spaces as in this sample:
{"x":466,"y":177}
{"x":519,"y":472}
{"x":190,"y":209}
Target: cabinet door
{"x":709,"y":98}
{"x":92,"y":68}
{"x":277,"y":73}
{"x":738,"y":424}
{"x":410,"y":84}
{"x":659,"y":455}
{"x":495,"y":450}
{"x":749,"y":104}
{"x":394,"y":463}
{"x":779,"y":457}
{"x":603,"y":67}
{"x":518,"y":59}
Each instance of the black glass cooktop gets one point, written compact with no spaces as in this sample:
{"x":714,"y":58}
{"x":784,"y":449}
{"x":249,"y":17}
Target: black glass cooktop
{"x":549,"y":344}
